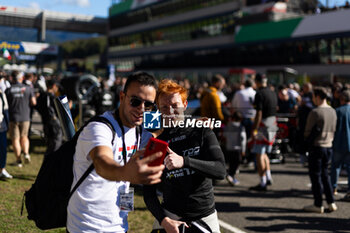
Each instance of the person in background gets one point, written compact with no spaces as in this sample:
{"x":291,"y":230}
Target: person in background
{"x":286,"y":102}
{"x":341,"y":143}
{"x":264,"y":130}
{"x":4,"y":83}
{"x":40,"y":84}
{"x":210,"y":100}
{"x":29,"y":80}
{"x":243,"y":102}
{"x":46,"y":108}
{"x":235,"y":141}
{"x":194,"y":159}
{"x":104,"y":98}
{"x":336,"y":90}
{"x":293,"y":91}
{"x":4,"y":124}
{"x":118,"y":87}
{"x":322,"y":120}
{"x":304,"y":109}
{"x":20,"y":98}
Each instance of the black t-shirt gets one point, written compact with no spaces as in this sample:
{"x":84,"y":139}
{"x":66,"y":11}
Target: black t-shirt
{"x":188,"y":191}
{"x":266,"y":100}
{"x":18,"y":97}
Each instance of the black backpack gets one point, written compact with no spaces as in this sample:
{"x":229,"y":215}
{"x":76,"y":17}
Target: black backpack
{"x":47,"y":200}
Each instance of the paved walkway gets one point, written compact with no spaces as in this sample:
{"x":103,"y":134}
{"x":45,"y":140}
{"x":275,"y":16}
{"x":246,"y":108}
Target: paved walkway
{"x":280,"y":208}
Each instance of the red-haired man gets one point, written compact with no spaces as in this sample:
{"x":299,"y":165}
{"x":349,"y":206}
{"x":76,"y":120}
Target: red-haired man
{"x":194,"y":159}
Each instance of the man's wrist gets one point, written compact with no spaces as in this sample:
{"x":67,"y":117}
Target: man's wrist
{"x":122,"y":174}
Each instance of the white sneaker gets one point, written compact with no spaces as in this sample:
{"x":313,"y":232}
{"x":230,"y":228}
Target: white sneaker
{"x":27,"y":158}
{"x":313,"y":208}
{"x":230,"y":180}
{"x":335,"y":191}
{"x":19,"y":164}
{"x":5,"y":175}
{"x":269,"y":182}
{"x":332,"y":207}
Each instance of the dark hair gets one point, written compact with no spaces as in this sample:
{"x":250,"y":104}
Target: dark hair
{"x":345,"y":96}
{"x":260,"y":77}
{"x":50,"y":83}
{"x":237,"y":116}
{"x":249,"y":82}
{"x":28,"y":75}
{"x":281,"y":87}
{"x":217,"y":78}
{"x":142,"y":78}
{"x":321,"y":92}
{"x":2,"y":74}
{"x":14,"y":74}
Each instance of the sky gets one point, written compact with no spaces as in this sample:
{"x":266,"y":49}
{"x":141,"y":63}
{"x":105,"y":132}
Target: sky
{"x":91,"y":7}
{"x":331,"y":3}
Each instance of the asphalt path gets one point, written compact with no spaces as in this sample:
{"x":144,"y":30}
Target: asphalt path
{"x":279,"y":209}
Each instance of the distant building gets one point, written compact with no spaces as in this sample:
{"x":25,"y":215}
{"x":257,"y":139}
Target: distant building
{"x":196,"y":34}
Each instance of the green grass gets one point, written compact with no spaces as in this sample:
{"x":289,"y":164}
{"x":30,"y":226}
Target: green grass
{"x":11,"y":194}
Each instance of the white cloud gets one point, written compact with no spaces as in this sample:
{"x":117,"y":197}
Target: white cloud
{"x":80,"y":3}
{"x":34,"y":5}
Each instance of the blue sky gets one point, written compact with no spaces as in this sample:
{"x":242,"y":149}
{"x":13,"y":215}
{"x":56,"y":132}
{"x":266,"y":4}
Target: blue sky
{"x":90,"y":7}
{"x":331,"y":3}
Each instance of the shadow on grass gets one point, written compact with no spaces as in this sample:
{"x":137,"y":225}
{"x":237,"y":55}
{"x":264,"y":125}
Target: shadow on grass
{"x":25,"y":177}
{"x":21,"y":177}
{"x":4,"y":180}
{"x":141,"y":208}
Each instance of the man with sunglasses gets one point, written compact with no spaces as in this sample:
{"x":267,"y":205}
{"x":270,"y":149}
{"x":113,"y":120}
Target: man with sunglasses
{"x":194,"y":159}
{"x":100,"y":204}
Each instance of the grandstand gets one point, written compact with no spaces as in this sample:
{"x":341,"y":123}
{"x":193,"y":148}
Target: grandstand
{"x":186,"y":36}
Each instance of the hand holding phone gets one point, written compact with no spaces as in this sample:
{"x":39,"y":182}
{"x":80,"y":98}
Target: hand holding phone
{"x":155,"y":145}
{"x":182,"y":228}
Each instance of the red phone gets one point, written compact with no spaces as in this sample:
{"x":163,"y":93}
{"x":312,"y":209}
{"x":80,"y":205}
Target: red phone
{"x":155,"y":145}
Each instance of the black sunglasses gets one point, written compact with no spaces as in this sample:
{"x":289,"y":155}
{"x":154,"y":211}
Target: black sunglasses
{"x":135,"y":102}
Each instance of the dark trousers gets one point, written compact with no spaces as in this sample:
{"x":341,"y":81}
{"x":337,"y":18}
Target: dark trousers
{"x":319,"y":160}
{"x":234,"y":159}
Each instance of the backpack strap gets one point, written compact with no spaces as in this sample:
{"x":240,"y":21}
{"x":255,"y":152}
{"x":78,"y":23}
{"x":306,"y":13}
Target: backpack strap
{"x":91,"y":167}
{"x":86,"y":173}
{"x":5,"y":114}
{"x":139,"y":132}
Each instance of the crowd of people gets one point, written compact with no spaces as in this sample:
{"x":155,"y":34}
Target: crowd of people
{"x":196,"y":156}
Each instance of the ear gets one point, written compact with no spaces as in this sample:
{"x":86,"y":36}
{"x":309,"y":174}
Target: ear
{"x":121,"y":96}
{"x":185,"y":105}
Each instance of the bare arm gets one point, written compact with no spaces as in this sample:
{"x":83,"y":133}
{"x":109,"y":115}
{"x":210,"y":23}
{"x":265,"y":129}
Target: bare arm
{"x":257,"y":121}
{"x":32,"y":101}
{"x":136,"y":171}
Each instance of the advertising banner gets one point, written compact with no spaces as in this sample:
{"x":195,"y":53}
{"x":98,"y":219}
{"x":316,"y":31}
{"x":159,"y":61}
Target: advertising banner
{"x":29,"y":47}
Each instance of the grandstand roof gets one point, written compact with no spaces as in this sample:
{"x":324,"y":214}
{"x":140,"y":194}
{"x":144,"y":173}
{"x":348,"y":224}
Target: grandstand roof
{"x":32,"y":18}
